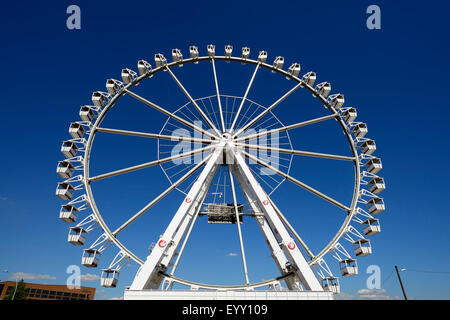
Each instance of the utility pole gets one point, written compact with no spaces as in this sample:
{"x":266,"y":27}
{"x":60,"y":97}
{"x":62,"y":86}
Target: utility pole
{"x":401,"y":284}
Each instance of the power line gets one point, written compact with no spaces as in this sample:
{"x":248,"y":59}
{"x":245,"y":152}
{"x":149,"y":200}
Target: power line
{"x":427,"y":271}
{"x":388,"y":277}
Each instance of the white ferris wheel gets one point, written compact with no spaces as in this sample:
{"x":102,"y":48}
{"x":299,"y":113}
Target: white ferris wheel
{"x":226,"y":133}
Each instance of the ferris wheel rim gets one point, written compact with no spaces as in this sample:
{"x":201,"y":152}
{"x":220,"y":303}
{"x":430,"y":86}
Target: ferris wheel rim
{"x":102,"y":114}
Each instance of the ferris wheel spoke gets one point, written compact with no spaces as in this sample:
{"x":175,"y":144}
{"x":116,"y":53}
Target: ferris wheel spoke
{"x":262,"y":114}
{"x":244,"y":263}
{"x":297,"y":182}
{"x":244,"y":98}
{"x":153,"y":135}
{"x":286,"y":128}
{"x":297,"y":152}
{"x":186,"y":238}
{"x":168,"y":113}
{"x":218,"y":95}
{"x":161,"y":196}
{"x":148,"y":164}
{"x":204,"y":116}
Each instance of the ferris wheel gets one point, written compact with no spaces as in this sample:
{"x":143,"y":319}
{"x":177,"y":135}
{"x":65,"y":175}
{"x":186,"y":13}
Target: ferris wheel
{"x":227,"y":139}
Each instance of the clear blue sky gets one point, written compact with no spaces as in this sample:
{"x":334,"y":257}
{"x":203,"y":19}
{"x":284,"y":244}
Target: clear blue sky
{"x":396,"y":77}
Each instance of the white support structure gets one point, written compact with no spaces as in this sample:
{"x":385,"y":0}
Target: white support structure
{"x":285,"y":251}
{"x":148,"y":276}
{"x":300,"y":267}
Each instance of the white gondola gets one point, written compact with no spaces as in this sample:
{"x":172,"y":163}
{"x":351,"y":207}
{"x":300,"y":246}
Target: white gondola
{"x":99,"y":99}
{"x":144,"y":67}
{"x":278,"y":63}
{"x":211,"y":50}
{"x":374,"y":165}
{"x":128,"y":75}
{"x":360,"y":130}
{"x":65,"y":169}
{"x":69,"y":149}
{"x":348,"y":267}
{"x":86,"y":113}
{"x":77,"y":236}
{"x":228,"y":51}
{"x":362,"y":247}
{"x":331,"y":284}
{"x":376,"y":185}
{"x":349,"y":115}
{"x":160,"y":60}
{"x":193,"y":53}
{"x":323,"y":89}
{"x":177,"y":56}
{"x":371,"y":227}
{"x":90,"y":258}
{"x":262,"y":56}
{"x":65,"y":191}
{"x":309,"y":78}
{"x":109,"y":278}
{"x":294,"y":70}
{"x":112,"y":86}
{"x":336,"y":100}
{"x":368,"y":147}
{"x":76,"y":130}
{"x":68,"y":213}
{"x":245,"y":52}
{"x":375,"y":205}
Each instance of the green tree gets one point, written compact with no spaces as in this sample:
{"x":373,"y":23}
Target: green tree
{"x":21,"y":293}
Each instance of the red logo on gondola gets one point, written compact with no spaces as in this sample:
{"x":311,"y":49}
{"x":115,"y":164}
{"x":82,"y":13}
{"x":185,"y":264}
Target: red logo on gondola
{"x":162,"y":243}
{"x":265,"y":202}
{"x":291,"y":245}
{"x":188,"y":200}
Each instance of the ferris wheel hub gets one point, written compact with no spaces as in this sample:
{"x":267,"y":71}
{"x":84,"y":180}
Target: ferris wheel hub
{"x":226,"y":136}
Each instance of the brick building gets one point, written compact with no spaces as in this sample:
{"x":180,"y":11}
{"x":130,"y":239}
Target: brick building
{"x":49,"y":291}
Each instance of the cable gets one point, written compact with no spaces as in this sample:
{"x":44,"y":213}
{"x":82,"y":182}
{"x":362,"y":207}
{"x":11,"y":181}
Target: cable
{"x":426,"y":271}
{"x":384,"y":281}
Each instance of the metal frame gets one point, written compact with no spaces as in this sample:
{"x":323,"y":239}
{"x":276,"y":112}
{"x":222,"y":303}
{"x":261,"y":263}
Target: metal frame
{"x":298,"y":272}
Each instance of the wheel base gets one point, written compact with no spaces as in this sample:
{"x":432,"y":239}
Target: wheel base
{"x":225,"y":295}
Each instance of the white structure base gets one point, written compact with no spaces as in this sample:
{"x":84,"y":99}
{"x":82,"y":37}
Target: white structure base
{"x":225,"y":295}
